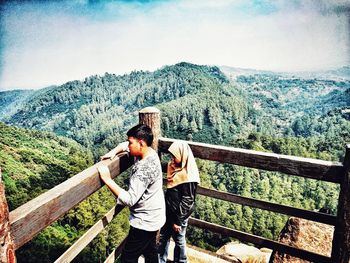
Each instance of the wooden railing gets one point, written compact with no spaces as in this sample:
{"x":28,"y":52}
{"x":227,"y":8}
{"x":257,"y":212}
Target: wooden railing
{"x":305,"y":167}
{"x":32,"y":217}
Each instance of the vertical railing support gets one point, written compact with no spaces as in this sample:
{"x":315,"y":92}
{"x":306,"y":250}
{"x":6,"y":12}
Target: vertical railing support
{"x":7,"y":254}
{"x":341,"y":238}
{"x":151,"y":117}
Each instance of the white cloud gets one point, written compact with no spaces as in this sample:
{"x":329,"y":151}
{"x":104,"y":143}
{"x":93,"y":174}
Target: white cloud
{"x":45,"y":48}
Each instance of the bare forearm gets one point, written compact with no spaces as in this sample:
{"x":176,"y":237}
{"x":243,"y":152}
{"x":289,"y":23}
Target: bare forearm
{"x":116,"y":189}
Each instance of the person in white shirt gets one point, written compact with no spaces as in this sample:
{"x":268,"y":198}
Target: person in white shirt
{"x":145,"y":196}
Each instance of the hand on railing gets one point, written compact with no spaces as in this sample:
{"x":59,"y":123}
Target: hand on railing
{"x":110,"y":155}
{"x":105,"y":176}
{"x":122,"y":147}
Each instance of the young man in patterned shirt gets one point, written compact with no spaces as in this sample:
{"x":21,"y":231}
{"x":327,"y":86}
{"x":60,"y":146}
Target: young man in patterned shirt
{"x":144,"y":197}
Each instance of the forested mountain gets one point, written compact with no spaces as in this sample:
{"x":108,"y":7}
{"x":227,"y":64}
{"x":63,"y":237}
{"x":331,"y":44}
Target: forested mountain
{"x":197,"y":102}
{"x":98,"y":110}
{"x":264,"y":111}
{"x":34,"y":161}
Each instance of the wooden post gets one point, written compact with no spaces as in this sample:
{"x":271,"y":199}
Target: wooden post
{"x":151,"y":117}
{"x":341,"y":238}
{"x":7,"y":254}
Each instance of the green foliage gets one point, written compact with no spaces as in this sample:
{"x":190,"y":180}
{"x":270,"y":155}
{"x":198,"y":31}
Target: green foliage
{"x":217,"y":115}
{"x":266,"y":112}
{"x":48,"y":245}
{"x":280,"y":100}
{"x":34,"y":161}
{"x":269,"y":186}
{"x":97,"y":111}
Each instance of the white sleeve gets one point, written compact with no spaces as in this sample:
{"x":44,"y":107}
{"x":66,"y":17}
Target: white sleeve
{"x":136,"y":189}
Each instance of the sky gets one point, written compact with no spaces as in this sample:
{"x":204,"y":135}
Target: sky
{"x":47,"y":43}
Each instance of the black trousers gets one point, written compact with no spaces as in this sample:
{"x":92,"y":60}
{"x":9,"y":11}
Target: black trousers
{"x":140,"y":242}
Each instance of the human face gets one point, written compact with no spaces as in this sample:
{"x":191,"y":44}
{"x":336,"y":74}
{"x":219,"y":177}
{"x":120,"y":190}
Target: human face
{"x":175,"y":161}
{"x":135,"y":146}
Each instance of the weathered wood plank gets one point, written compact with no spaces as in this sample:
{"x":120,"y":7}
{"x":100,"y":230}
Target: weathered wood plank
{"x":306,"y":167}
{"x":341,"y":238}
{"x":259,"y":241}
{"x":89,"y":235}
{"x":265,"y":205}
{"x":288,"y":210}
{"x":30,"y":218}
{"x":150,"y":116}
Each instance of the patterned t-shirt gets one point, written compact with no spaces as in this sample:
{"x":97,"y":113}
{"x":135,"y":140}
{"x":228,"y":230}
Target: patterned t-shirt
{"x":145,"y":195}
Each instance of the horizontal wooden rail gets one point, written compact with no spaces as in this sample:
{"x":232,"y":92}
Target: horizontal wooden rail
{"x":310,"y":215}
{"x":261,"y":242}
{"x":89,"y":235}
{"x":265,"y":205}
{"x":32,"y":217}
{"x":306,"y":167}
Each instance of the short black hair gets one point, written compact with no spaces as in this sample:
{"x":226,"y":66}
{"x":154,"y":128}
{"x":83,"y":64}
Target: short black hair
{"x":141,"y":132}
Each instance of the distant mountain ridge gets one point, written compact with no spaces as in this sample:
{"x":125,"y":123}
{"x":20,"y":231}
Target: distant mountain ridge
{"x":338,"y":74}
{"x":108,"y":104}
{"x":197,"y":102}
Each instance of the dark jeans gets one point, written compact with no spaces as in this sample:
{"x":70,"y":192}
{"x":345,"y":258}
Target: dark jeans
{"x":140,"y":242}
{"x":180,"y":242}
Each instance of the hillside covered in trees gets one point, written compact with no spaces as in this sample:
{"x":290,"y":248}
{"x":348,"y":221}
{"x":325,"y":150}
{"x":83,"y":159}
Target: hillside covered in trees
{"x":35,"y":161}
{"x":197,"y":102}
{"x":97,"y":111}
{"x":264,"y":111}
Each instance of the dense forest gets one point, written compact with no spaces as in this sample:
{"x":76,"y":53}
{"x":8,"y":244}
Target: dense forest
{"x":96,"y":112}
{"x":265,"y":111}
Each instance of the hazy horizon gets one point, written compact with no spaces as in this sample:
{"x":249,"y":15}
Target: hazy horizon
{"x":50,"y":43}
